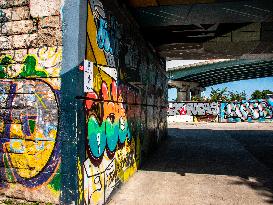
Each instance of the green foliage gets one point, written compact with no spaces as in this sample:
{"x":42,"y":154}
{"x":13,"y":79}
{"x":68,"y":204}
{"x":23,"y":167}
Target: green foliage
{"x":236,"y":96}
{"x":32,"y":125}
{"x":198,"y":99}
{"x":257,"y":94}
{"x":10,"y":177}
{"x":218,"y":95}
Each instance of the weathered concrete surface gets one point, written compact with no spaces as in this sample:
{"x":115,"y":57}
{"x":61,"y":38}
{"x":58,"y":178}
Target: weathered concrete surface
{"x":10,"y":201}
{"x":206,"y":164}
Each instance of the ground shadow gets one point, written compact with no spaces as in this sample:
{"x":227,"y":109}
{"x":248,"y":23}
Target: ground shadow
{"x":247,"y":154}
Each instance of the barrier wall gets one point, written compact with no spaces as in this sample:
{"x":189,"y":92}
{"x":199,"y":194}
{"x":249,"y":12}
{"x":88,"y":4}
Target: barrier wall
{"x":244,"y":111}
{"x":193,"y":108}
{"x":247,"y":111}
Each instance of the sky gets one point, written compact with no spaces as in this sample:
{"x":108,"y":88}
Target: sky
{"x":249,"y":86}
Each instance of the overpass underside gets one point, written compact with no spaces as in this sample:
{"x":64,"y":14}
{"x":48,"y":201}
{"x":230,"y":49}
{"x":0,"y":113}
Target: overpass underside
{"x":206,"y":29}
{"x":209,"y":74}
{"x":239,"y":31}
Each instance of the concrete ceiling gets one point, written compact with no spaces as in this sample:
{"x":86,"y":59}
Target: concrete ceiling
{"x":206,"y":29}
{"x":150,"y":3}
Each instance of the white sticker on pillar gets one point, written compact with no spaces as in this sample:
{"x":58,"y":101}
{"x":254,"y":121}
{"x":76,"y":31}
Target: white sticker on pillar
{"x":88,"y":76}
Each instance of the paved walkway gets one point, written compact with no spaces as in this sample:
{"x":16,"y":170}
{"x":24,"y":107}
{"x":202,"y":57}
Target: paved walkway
{"x":206,"y":164}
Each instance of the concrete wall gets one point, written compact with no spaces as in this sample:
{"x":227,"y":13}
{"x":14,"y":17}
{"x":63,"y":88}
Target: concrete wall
{"x":62,"y":143}
{"x":30,"y":65}
{"x":193,"y":108}
{"x":244,"y":111}
{"x":180,"y":118}
{"x":125,"y":113}
{"x":247,"y":111}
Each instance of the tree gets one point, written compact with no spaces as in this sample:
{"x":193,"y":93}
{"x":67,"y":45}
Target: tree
{"x":199,"y":99}
{"x":236,"y":96}
{"x":257,"y":94}
{"x":218,"y":95}
{"x":266,"y":92}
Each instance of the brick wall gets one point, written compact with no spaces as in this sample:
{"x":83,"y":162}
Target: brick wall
{"x":30,"y":63}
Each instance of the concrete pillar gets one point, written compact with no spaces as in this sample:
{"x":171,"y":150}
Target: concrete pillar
{"x":196,"y":92}
{"x":184,"y":89}
{"x":183,"y":94}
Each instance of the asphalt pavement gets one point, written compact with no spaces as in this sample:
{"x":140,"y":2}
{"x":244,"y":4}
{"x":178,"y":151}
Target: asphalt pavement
{"x":206,"y":164}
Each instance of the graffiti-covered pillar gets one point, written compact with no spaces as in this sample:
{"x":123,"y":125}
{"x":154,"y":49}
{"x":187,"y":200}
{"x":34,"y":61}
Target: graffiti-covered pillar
{"x":125,"y":100}
{"x":82,"y":99}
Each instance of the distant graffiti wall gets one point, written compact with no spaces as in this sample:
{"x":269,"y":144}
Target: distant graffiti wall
{"x":125,"y":101}
{"x":247,"y":111}
{"x":30,"y":63}
{"x":243,"y":111}
{"x":177,"y":109}
{"x":193,"y":108}
{"x":200,"y":109}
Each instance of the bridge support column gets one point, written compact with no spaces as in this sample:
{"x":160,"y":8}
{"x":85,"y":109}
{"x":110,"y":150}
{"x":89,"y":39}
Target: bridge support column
{"x":183,"y":94}
{"x":186,"y":89}
{"x":196,"y":92}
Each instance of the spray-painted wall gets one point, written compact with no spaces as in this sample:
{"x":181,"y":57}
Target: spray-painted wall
{"x":244,"y":111}
{"x":193,"y":108}
{"x":30,"y":63}
{"x":192,"y":111}
{"x":125,"y":101}
{"x":247,"y":111}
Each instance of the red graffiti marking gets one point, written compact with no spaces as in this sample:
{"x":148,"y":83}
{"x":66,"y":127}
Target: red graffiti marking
{"x":182,"y":111}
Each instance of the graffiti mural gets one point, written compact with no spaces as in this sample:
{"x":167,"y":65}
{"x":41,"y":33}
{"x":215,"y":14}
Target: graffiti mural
{"x":244,"y":111}
{"x":103,"y":44}
{"x":247,"y":111}
{"x":110,"y":143}
{"x":193,"y":109}
{"x":200,"y":109}
{"x":177,"y":109}
{"x":27,"y":126}
{"x":120,"y":114}
{"x":29,"y":113}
